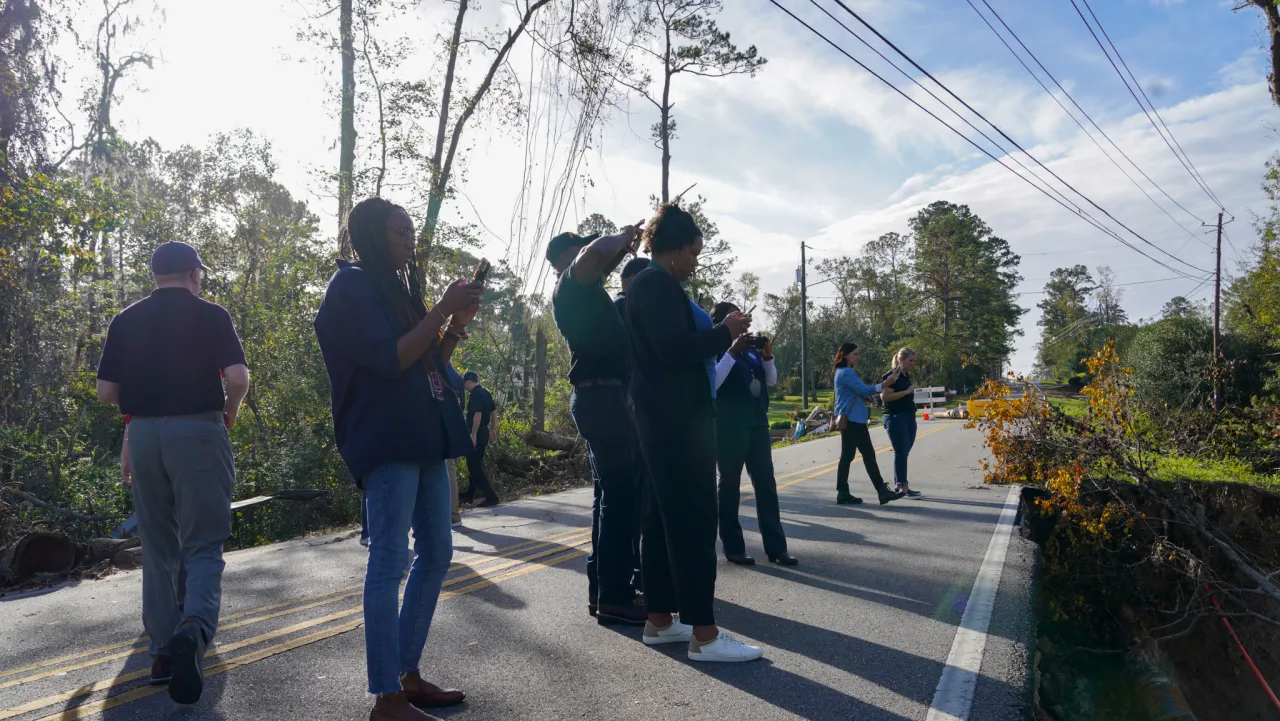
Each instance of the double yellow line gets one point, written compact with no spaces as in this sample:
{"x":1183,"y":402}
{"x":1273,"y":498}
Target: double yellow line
{"x":532,"y":556}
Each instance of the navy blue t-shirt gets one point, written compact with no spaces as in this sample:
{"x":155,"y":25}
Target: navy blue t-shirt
{"x":481,"y":401}
{"x":905,"y":404}
{"x":167,"y":352}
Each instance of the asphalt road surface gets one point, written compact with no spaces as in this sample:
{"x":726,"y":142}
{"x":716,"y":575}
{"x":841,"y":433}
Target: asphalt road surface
{"x":865,"y":628}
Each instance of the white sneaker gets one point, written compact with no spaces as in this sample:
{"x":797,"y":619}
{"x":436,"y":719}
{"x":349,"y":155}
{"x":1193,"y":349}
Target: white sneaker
{"x":724,"y":649}
{"x":675,"y":633}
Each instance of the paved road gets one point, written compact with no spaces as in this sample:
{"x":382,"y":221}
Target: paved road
{"x":862,"y":629}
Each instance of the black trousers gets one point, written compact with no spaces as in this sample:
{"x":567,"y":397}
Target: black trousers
{"x":854,"y":438}
{"x":752,"y":447}
{"x":475,"y":469}
{"x":678,"y":546}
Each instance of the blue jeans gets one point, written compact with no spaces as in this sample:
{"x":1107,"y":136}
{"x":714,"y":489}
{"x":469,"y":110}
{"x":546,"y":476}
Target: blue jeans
{"x":400,"y":496}
{"x":600,"y":413}
{"x":901,"y":428}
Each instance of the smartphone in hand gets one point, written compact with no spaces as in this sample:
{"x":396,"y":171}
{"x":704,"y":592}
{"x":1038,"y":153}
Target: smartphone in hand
{"x":482,"y":270}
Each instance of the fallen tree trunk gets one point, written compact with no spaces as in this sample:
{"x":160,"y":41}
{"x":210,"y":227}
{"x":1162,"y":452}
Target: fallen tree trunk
{"x":550,"y":441}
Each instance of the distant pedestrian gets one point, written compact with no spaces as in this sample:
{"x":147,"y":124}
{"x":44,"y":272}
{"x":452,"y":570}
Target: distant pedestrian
{"x":851,"y":419}
{"x":396,"y":421}
{"x":484,"y":430}
{"x":674,"y":345}
{"x":629,"y":273}
{"x":900,"y":417}
{"x":163,"y":364}
{"x":744,"y":375}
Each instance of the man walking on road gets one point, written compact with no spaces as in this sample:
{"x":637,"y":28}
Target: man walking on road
{"x":162,"y":364}
{"x":480,"y":409}
{"x":592,"y":326}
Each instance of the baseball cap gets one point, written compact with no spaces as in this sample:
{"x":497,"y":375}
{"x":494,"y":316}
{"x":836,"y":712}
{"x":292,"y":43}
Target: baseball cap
{"x":565,"y":241}
{"x":175,"y":257}
{"x":634,"y":266}
{"x":470,"y":376}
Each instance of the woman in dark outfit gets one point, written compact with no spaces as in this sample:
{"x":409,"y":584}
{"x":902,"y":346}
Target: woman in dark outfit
{"x":743,"y":378}
{"x":673,"y":345}
{"x":900,"y":417}
{"x":396,"y":421}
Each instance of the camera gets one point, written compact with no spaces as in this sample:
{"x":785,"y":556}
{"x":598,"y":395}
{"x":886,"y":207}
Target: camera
{"x":482,"y":270}
{"x":759,"y":341}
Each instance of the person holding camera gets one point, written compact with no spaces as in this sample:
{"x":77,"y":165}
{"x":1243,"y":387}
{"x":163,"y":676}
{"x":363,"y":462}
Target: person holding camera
{"x":851,"y":420}
{"x":396,"y":421}
{"x":673,"y":345}
{"x":743,"y":377}
{"x":900,"y":416}
{"x":592,"y":326}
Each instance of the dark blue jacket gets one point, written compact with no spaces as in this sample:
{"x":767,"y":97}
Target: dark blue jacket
{"x":743,"y":398}
{"x":381,"y":414}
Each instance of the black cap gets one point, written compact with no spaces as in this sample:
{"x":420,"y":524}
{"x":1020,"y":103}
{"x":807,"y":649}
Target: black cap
{"x":470,"y":376}
{"x":634,"y":266}
{"x":175,"y":257}
{"x":565,"y":241}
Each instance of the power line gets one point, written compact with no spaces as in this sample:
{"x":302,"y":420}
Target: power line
{"x":1121,"y":285}
{"x":971,"y":109}
{"x":1182,"y":157}
{"x":1082,"y":111}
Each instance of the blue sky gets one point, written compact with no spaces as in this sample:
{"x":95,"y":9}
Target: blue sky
{"x":813,"y":149}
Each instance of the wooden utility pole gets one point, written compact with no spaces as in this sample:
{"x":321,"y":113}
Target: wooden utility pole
{"x":1217,"y":318}
{"x":540,"y":382}
{"x":347,"y":124}
{"x":804,"y":332}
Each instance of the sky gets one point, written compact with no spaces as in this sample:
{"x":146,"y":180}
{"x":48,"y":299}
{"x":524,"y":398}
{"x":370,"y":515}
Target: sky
{"x":814,"y":149}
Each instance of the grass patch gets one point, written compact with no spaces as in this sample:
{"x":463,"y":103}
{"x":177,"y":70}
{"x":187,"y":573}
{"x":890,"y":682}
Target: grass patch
{"x":1074,"y":407}
{"x":1204,"y":470}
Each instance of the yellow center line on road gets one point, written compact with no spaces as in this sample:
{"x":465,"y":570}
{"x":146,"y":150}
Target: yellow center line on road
{"x":127,"y":697}
{"x":220,"y":651}
{"x":830,"y":465}
{"x":553,"y":542}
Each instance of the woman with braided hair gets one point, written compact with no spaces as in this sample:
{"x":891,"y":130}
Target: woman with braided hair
{"x":396,"y":420}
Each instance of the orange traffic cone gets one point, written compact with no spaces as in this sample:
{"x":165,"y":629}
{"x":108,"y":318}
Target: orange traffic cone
{"x":926,"y":415}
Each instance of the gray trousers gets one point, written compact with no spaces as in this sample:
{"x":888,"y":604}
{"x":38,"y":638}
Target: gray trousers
{"x":183,"y":472}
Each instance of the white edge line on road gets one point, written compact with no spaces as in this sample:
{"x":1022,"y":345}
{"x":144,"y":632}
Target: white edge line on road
{"x":953,"y":699}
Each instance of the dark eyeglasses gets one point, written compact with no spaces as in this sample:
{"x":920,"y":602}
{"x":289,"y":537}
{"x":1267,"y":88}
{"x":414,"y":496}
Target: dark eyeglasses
{"x":404,"y":233}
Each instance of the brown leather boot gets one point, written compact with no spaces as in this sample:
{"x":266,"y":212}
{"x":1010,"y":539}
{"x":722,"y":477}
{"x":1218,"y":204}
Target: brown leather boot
{"x":424,"y":693}
{"x":396,"y":707}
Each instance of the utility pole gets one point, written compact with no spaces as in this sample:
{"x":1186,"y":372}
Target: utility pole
{"x":804,"y":331}
{"x":540,"y":382}
{"x":1217,"y":317}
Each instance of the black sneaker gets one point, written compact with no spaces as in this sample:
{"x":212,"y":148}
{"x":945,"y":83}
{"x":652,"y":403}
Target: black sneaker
{"x":910,"y":493}
{"x":487,"y":503}
{"x":187,"y":649}
{"x":632,"y":614}
{"x":161,"y":670}
{"x":846,"y":499}
{"x":889,"y":496}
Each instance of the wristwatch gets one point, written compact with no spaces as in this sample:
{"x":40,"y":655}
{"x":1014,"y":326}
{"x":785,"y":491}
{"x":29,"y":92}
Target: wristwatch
{"x":456,"y":335}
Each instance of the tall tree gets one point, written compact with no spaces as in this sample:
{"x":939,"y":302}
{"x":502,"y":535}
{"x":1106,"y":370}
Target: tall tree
{"x":450,"y":126}
{"x":1107,"y":297}
{"x":966,"y":276}
{"x":679,"y":36}
{"x":597,"y":223}
{"x":1066,"y":321}
{"x":746,"y":290}
{"x":1271,"y":14}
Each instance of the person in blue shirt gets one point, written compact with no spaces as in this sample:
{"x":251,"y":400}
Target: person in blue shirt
{"x":396,"y":421}
{"x":744,"y":375}
{"x":851,"y":419}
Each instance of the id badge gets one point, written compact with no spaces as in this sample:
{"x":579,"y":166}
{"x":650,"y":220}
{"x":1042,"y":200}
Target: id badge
{"x":437,"y":385}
